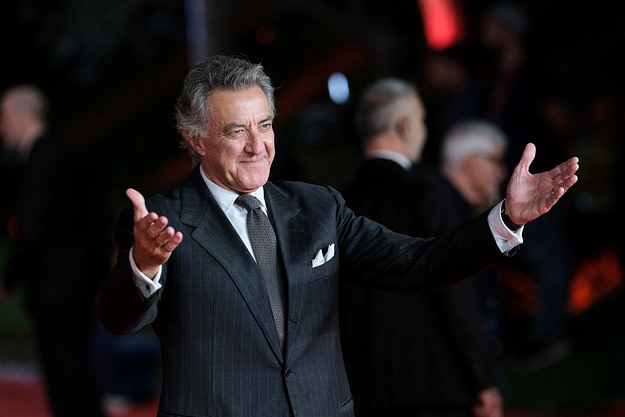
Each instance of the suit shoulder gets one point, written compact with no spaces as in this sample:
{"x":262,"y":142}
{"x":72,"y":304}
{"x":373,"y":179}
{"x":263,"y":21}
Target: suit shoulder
{"x":297,"y":190}
{"x":165,"y":200}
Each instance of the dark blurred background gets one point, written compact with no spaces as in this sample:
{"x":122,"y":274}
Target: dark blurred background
{"x":112,"y":70}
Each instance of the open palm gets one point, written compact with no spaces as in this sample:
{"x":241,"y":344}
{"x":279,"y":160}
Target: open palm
{"x":528,"y":195}
{"x":154,"y":240}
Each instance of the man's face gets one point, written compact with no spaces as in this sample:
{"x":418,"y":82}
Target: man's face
{"x":488,"y":174}
{"x":238,"y":149}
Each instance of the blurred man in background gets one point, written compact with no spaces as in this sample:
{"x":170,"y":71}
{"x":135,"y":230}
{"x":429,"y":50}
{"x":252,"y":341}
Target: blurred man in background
{"x":59,"y":246}
{"x":424,"y":354}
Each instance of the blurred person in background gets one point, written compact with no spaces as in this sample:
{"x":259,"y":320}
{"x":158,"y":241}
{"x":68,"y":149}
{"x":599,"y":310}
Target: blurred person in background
{"x":419,"y":354}
{"x":473,"y":171}
{"x":59,"y":248}
{"x":524,"y":101}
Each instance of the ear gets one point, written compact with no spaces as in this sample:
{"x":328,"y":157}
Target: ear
{"x":402,"y":126}
{"x":196,"y":143}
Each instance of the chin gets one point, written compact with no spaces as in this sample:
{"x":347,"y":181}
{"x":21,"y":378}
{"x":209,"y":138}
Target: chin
{"x":255,"y":183}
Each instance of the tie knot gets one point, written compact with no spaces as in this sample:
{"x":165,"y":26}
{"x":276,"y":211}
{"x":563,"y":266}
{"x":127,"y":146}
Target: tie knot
{"x":248,"y":202}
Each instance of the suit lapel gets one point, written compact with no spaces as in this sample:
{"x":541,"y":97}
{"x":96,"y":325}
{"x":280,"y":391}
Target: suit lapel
{"x":294,"y":249}
{"x":214,"y":232}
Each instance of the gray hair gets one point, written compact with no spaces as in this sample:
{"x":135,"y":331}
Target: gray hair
{"x":377,"y":104}
{"x":468,"y":137}
{"x":215,"y":73}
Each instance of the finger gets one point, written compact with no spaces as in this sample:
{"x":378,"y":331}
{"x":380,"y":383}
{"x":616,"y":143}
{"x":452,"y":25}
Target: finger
{"x":153,"y":225}
{"x":566,"y":174}
{"x":138,"y":203}
{"x":566,"y":184}
{"x":572,"y":165}
{"x":566,"y":168}
{"x":165,"y":236}
{"x":559,"y":190}
{"x":172,"y":243}
{"x":529,"y":153}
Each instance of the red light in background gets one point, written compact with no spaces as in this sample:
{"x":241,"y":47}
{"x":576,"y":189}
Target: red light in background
{"x":265,"y":35}
{"x":442,"y":23}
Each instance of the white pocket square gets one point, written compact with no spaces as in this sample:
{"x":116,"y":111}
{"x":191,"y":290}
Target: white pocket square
{"x":320,"y":259}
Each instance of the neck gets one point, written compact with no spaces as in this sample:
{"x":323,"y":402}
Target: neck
{"x":387,"y":143}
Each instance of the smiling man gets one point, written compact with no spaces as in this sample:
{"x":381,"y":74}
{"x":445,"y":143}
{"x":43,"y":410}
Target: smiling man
{"x":242,"y":335}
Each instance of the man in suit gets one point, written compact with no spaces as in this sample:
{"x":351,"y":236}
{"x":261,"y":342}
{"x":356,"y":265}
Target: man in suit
{"x":223,"y":350}
{"x":416,"y":354}
{"x":59,"y":253}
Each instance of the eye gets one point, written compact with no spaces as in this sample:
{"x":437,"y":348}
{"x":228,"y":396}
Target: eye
{"x":266,"y":126}
{"x":236,"y":132}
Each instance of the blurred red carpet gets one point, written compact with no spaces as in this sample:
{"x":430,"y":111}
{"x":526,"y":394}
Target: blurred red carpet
{"x":24,"y":397}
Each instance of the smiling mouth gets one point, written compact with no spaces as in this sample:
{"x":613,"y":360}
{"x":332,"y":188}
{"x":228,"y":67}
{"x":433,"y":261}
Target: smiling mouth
{"x":255,"y":161}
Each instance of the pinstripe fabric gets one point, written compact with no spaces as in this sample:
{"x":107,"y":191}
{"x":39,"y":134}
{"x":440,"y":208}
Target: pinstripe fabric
{"x":220,"y":352}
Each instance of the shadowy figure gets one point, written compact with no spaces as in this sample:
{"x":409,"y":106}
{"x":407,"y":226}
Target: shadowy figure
{"x":59,"y":249}
{"x":418,"y":354}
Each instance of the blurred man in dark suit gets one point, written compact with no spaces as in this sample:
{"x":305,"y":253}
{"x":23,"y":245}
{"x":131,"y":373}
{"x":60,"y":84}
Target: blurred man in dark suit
{"x":59,"y":253}
{"x":417,"y":354}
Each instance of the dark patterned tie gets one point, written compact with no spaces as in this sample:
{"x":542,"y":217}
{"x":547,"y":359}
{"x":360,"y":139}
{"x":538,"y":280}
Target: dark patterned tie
{"x":265,"y":249}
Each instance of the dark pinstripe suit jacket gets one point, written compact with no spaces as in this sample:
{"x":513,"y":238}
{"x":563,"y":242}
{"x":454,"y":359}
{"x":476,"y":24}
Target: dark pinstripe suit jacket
{"x":220,"y":350}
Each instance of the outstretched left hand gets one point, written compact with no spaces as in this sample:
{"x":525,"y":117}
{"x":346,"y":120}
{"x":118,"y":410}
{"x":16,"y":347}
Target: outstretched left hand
{"x":529,"y":196}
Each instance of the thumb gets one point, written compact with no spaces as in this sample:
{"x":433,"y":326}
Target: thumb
{"x":138,"y":203}
{"x":529,"y":153}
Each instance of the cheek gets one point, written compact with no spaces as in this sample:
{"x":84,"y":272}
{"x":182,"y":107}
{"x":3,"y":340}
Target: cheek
{"x":494,"y":180}
{"x":270,"y":146}
{"x":271,"y":150}
{"x":230,"y":151}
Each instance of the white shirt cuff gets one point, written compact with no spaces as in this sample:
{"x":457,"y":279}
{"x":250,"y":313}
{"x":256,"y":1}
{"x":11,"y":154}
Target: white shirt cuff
{"x":505,"y":238}
{"x":146,"y":285}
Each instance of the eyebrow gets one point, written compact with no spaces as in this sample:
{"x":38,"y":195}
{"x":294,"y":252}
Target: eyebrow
{"x":238,"y":125}
{"x":231,"y":126}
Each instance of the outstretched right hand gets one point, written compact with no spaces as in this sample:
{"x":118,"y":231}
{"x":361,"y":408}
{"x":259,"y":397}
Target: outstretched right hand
{"x":154,"y":240}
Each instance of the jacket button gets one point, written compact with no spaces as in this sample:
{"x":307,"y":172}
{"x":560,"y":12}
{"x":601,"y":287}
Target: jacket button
{"x":288,"y":372}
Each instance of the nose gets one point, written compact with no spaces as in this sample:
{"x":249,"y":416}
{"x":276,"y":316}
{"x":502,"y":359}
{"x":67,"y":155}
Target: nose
{"x":255,"y":143}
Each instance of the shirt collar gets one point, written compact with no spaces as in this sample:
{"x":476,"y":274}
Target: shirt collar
{"x":396,"y":157}
{"x":225,"y":198}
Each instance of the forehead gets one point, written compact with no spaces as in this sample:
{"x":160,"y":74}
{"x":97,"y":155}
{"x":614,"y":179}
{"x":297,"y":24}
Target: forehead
{"x":249,"y":100}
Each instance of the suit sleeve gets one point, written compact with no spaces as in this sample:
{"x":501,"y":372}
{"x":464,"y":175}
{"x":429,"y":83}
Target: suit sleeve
{"x":385,"y":260}
{"x":121,"y":306}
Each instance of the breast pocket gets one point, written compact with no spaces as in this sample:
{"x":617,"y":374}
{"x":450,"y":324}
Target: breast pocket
{"x":326,"y":270}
